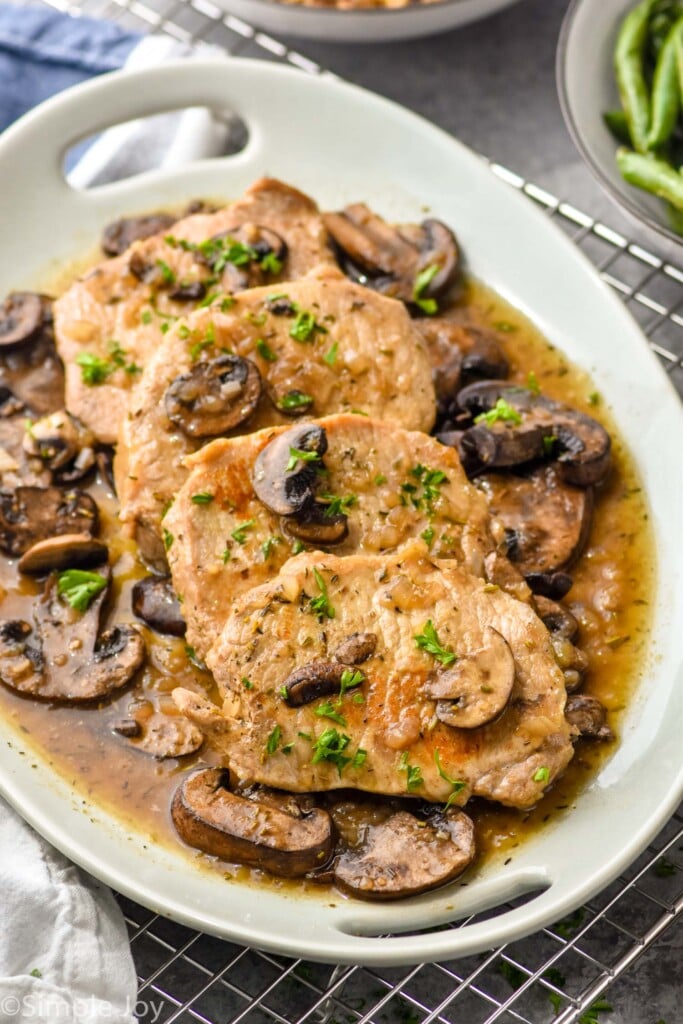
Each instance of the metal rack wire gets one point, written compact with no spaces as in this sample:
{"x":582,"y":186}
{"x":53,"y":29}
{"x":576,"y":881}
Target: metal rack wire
{"x":555,"y":975}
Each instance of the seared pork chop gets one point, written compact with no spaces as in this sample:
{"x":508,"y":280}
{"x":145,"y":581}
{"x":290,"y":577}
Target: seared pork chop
{"x":109,"y":323}
{"x":296,"y":718}
{"x":327,"y":346}
{"x":391,"y":484}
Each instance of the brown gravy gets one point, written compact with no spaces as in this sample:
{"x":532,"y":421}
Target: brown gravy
{"x":611,"y":597}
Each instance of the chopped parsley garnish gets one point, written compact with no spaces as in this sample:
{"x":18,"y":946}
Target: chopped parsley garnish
{"x":413,"y":772}
{"x":268,"y":546}
{"x":79,"y":588}
{"x":265,"y":351}
{"x":428,"y":536}
{"x":298,"y":455}
{"x":297,"y":547}
{"x":591,"y":1014}
{"x":274,"y":740}
{"x":202,"y":498}
{"x":321,"y":605}
{"x":220,"y":251}
{"x":428,"y":641}
{"x":350,"y":679}
{"x":166,"y":272}
{"x":380,"y":479}
{"x":146,"y":316}
{"x":257,"y":319}
{"x":542,"y":774}
{"x":198,"y":347}
{"x":514,"y":977}
{"x":226,"y":556}
{"x":549,"y":442}
{"x":430,"y":480}
{"x":36,"y":973}
{"x":502,"y":412}
{"x":532,"y":383}
{"x":239,"y":534}
{"x":295,"y":400}
{"x":338,"y":505}
{"x":183,"y":332}
{"x":94,"y":369}
{"x":168,"y":539}
{"x":594,"y":398}
{"x":328,"y":710}
{"x":331,"y":357}
{"x":283,"y":692}
{"x":305,"y":326}
{"x":457,"y":784}
{"x":330,"y":746}
{"x":420,"y":286}
{"x":271,"y":264}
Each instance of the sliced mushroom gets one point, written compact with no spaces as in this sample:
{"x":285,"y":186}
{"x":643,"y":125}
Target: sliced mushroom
{"x":274,"y":834}
{"x":189,"y":291}
{"x":120,"y":234}
{"x":356,"y":648}
{"x":554,"y":585}
{"x":70,"y":550}
{"x":389,"y":258}
{"x":31,"y":514}
{"x":403,"y":856}
{"x":317,"y":679}
{"x":315,"y":525}
{"x":293,"y":403}
{"x":589,"y":716}
{"x":538,"y":427}
{"x":156,"y":603}
{"x":557,"y":618}
{"x":243,"y":271}
{"x":287,"y":491}
{"x":127,"y":727}
{"x":31,"y":373}
{"x":460,"y":353}
{"x":545,"y":521}
{"x":478,"y":686}
{"x":21,"y":318}
{"x":64,"y":657}
{"x":572,"y":660}
{"x":214,"y":397}
{"x":62,"y":444}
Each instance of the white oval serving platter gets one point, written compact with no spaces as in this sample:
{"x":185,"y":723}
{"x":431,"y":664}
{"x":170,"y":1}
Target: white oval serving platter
{"x":340,"y":143}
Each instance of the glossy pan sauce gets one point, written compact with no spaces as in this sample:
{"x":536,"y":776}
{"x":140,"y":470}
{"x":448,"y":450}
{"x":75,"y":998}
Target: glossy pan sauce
{"x":611,"y":597}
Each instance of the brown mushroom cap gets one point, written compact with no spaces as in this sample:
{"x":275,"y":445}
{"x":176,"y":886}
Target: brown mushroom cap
{"x":214,"y":397}
{"x":287,"y":492}
{"x":579,"y":444}
{"x":31,"y":514}
{"x":155,"y":602}
{"x":403,"y":856}
{"x":21,"y":318}
{"x":477,"y":688}
{"x":62,"y":444}
{"x":589,"y":716}
{"x":314,"y":525}
{"x":276,"y":834}
{"x":31,"y":373}
{"x":120,"y":234}
{"x":356,"y":648}
{"x":317,"y":679}
{"x":460,"y":353}
{"x":389,"y":257}
{"x":63,"y":658}
{"x":70,"y":550}
{"x":557,"y":618}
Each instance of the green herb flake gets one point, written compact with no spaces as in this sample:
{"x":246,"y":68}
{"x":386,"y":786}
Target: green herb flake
{"x":349,"y":680}
{"x":321,"y":605}
{"x":594,"y":398}
{"x":502,"y":412}
{"x":532,"y":383}
{"x":428,"y":536}
{"x":420,"y":286}
{"x":380,"y":479}
{"x":297,"y":547}
{"x":146,"y":316}
{"x":202,"y":498}
{"x":271,"y":264}
{"x":328,"y":710}
{"x":94,"y":369}
{"x":273,"y":741}
{"x":297,"y":455}
{"x":305,"y":327}
{"x":36,"y":973}
{"x":247,"y":683}
{"x":168,"y":539}
{"x":428,"y":641}
{"x":330,"y":746}
{"x":197,"y":349}
{"x":337,"y":505}
{"x":265,"y":351}
{"x":331,"y":357}
{"x":183,"y":332}
{"x":268,"y":547}
{"x":591,"y":1016}
{"x":512,"y":974}
{"x":166,"y":272}
{"x":542,"y":774}
{"x":283,"y":692}
{"x":79,"y":588}
{"x":359,"y":758}
{"x":457,"y":784}
{"x":413,"y":773}
{"x":239,"y":534}
{"x":295,"y":400}
{"x":549,"y":442}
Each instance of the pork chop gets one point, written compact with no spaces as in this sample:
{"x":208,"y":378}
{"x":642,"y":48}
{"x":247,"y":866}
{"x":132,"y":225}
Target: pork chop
{"x":110,"y":322}
{"x":391,"y":484}
{"x":290,"y":719}
{"x":329,"y":344}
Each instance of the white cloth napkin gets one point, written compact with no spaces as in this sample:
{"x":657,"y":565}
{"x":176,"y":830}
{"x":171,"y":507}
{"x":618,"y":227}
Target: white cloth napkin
{"x":64,"y":952}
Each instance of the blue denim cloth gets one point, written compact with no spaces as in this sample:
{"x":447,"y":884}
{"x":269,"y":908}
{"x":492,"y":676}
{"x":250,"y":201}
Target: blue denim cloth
{"x":43,"y":52}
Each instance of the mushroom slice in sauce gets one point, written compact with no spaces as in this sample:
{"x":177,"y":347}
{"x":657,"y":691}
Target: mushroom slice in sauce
{"x":31,"y":373}
{"x":62,"y":444}
{"x":70,"y":550}
{"x":460,"y":353}
{"x":403,"y":856}
{"x":389,"y":258}
{"x":557,"y":618}
{"x":238,"y":253}
{"x":275,"y":834}
{"x":545,"y":521}
{"x":554,"y":585}
{"x":31,"y":514}
{"x":21,"y":318}
{"x":156,"y":603}
{"x":356,"y":648}
{"x":317,"y":679}
{"x":315,"y":525}
{"x":522,"y":426}
{"x":120,"y":234}
{"x":214,"y":397}
{"x":286,"y":483}
{"x":589,"y":716}
{"x":478,"y":686}
{"x":163,"y":735}
{"x":64,"y":657}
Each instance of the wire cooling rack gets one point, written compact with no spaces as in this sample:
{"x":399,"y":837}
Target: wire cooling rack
{"x":558,"y":975}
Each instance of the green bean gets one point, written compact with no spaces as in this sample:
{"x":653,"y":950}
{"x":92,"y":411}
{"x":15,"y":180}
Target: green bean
{"x":653,"y":175}
{"x":629,"y":61}
{"x":666,"y":90}
{"x":616,"y":122}
{"x":664,"y":14}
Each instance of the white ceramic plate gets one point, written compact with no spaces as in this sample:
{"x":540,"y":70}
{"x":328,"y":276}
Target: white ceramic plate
{"x":362,"y":26}
{"x":587,"y":88}
{"x":340,"y":143}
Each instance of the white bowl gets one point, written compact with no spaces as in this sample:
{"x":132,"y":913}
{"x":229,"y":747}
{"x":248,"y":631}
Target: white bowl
{"x":362,"y":26}
{"x":340,"y":143}
{"x":587,"y":88}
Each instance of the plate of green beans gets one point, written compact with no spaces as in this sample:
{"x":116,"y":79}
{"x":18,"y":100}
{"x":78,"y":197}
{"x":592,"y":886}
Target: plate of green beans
{"x":620,"y":81}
